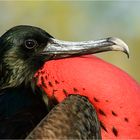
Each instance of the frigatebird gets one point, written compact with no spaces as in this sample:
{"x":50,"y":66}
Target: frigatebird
{"x":23,"y":50}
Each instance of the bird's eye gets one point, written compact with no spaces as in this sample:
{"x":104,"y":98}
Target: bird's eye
{"x":30,"y":43}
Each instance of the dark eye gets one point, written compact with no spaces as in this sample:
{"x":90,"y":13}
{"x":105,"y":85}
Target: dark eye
{"x":30,"y":43}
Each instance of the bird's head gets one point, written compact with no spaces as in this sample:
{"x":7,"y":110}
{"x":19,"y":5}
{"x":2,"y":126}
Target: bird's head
{"x":24,"y":49}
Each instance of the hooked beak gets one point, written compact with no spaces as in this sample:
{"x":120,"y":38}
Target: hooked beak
{"x":57,"y":49}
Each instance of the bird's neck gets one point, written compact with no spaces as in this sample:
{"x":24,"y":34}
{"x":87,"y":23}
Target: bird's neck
{"x":21,"y":76}
{"x":22,"y":81}
{"x":14,"y":81}
{"x":18,"y":76}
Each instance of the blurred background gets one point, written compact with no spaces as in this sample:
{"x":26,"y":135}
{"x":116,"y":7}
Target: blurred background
{"x":81,"y":20}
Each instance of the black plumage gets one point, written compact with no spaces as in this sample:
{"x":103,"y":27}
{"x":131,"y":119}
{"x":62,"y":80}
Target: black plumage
{"x":21,"y":103}
{"x":74,"y":118}
{"x":20,"y":111}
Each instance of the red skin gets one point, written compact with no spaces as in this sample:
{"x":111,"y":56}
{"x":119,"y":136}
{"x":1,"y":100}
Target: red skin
{"x":115,"y":95}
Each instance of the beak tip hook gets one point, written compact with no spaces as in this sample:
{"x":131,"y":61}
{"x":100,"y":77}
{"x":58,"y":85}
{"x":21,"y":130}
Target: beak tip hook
{"x":122,"y":46}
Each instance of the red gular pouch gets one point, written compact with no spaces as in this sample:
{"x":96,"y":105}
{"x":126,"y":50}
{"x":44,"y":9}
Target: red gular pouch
{"x":114,"y":94}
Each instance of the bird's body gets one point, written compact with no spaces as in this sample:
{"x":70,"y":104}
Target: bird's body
{"x":114,"y":94}
{"x":79,"y":122}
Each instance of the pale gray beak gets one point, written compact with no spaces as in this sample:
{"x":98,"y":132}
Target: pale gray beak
{"x":57,"y":49}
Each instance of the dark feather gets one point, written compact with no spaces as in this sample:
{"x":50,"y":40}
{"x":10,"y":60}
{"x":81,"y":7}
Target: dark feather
{"x":20,"y":111}
{"x":74,"y":118}
{"x":21,"y":103}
